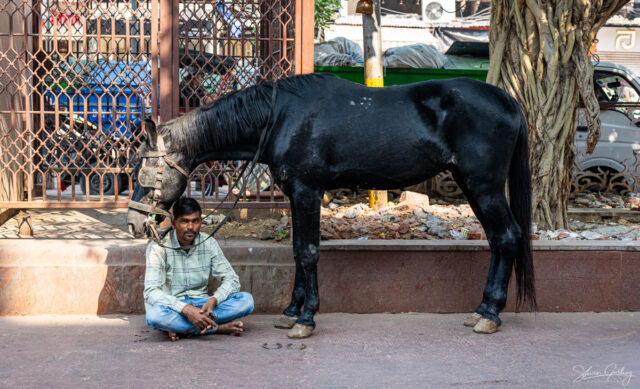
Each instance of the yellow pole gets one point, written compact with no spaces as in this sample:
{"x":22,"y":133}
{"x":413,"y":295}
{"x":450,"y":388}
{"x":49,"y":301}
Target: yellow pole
{"x":373,"y":75}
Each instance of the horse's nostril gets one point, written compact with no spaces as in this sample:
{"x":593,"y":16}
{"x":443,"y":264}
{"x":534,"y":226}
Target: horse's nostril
{"x":132,"y":230}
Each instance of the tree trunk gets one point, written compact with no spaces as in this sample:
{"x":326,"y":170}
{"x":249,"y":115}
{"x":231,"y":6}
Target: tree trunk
{"x":539,"y":55}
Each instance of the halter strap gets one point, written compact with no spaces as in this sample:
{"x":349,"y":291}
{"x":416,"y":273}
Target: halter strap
{"x":174,"y":165}
{"x":148,"y":208}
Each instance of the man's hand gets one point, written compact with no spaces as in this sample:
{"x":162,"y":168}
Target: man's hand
{"x":201,"y":320}
{"x":209,"y":305}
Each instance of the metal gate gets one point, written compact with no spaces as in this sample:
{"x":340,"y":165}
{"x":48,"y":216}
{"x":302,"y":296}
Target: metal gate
{"x":77,"y":77}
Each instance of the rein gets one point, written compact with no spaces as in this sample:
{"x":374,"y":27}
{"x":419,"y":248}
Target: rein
{"x":150,"y":177}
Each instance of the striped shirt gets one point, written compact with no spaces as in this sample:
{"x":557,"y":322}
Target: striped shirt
{"x":174,"y":274}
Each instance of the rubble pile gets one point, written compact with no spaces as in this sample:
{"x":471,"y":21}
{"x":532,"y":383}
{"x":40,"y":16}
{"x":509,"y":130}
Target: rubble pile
{"x":414,"y":217}
{"x":605,"y":201}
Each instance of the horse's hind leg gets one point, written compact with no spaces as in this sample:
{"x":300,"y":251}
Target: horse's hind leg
{"x":290,"y":315}
{"x":306,"y":247}
{"x":504,"y":235}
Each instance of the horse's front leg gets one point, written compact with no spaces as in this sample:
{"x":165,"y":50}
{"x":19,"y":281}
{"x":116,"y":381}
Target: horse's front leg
{"x":306,"y":247}
{"x":290,"y":315}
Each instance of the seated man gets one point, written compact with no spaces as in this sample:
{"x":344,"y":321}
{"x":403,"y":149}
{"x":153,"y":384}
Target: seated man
{"x":175,"y":283}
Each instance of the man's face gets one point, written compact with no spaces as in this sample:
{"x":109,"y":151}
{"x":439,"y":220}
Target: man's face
{"x":187,"y":227}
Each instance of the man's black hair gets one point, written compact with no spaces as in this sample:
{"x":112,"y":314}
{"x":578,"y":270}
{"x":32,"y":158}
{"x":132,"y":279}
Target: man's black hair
{"x":185,"y":206}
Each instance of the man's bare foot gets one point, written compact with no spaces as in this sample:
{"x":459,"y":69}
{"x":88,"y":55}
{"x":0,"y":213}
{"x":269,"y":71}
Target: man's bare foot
{"x":173,"y":336}
{"x":231,"y":328}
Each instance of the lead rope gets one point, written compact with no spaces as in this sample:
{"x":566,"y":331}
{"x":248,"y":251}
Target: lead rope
{"x":151,"y":222}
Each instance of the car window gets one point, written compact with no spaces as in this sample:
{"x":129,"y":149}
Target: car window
{"x":613,"y":88}
{"x":616,"y":88}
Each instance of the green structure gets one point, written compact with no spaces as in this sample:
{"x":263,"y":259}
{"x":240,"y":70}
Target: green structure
{"x":401,"y":76}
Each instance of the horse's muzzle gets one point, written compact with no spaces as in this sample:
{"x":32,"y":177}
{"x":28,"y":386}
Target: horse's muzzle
{"x":135,"y":222}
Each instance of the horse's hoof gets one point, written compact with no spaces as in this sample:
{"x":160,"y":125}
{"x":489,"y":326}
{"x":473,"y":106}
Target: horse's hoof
{"x":300,"y":331}
{"x":285,"y":322}
{"x":485,"y":326}
{"x":472,"y":320}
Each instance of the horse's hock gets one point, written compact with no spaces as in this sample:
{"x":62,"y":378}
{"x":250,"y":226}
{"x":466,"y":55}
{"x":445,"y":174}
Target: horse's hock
{"x":83,"y":276}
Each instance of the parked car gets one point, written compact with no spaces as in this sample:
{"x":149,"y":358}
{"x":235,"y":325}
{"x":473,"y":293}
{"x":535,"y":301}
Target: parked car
{"x":618,"y":91}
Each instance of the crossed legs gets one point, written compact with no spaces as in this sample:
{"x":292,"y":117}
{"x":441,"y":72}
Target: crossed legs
{"x":237,"y":305}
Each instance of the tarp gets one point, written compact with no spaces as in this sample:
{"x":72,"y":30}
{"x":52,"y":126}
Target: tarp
{"x":347,"y":46}
{"x":418,"y":56}
{"x":447,"y":35}
{"x":328,"y":54}
{"x":338,"y":52}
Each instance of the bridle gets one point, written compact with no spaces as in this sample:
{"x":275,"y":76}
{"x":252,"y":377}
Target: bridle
{"x":151,"y":177}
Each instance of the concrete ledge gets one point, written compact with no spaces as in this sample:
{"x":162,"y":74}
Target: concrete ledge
{"x":106,"y":276}
{"x":475,"y":245}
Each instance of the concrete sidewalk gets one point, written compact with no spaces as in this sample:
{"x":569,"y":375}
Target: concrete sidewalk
{"x":548,"y":350}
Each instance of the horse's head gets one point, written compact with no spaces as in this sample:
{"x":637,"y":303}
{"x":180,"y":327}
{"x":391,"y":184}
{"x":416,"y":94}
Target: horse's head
{"x":161,"y":177}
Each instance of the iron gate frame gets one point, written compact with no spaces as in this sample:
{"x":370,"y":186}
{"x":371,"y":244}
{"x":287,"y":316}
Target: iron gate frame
{"x":164,"y":90}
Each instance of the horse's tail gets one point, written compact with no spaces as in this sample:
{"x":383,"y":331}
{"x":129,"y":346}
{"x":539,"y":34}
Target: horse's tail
{"x":520,"y":203}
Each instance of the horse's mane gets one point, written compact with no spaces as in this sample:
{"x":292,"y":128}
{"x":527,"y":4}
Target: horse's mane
{"x":237,"y":113}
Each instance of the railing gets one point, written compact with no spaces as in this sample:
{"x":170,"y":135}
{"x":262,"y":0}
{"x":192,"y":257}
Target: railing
{"x":77,"y":77}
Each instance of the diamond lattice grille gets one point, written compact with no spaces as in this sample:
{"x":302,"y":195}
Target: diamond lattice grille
{"x":77,"y":77}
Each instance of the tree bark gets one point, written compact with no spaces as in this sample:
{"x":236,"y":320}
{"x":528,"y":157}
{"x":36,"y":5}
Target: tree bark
{"x":539,"y":55}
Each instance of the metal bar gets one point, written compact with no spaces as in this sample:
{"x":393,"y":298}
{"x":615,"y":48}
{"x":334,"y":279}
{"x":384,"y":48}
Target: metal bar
{"x":125,"y":204}
{"x":27,"y":107}
{"x":306,"y":42}
{"x":175,"y":37}
{"x":85,"y":110}
{"x":39,"y":100}
{"x":154,"y":58}
{"x":64,"y":204}
{"x":113,"y":47}
{"x":248,"y":205}
{"x":166,"y":31}
{"x":70,"y":98}
{"x":58,"y":186}
{"x":12,"y":106}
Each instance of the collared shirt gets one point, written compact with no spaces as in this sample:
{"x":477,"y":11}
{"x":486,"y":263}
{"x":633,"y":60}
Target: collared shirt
{"x":174,"y":274}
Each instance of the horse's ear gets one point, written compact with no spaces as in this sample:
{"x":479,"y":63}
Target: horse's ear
{"x":152,"y":133}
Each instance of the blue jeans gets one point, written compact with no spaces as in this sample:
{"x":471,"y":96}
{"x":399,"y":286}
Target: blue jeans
{"x":163,"y":318}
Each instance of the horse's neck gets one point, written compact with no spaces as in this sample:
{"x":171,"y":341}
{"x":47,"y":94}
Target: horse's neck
{"x":243,"y":147}
{"x":245,"y":153}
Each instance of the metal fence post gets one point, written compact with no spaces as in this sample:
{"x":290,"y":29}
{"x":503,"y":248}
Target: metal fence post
{"x":168,"y":77}
{"x":304,"y":36}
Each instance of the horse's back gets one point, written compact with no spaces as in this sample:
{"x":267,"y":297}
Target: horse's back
{"x":400,"y":135}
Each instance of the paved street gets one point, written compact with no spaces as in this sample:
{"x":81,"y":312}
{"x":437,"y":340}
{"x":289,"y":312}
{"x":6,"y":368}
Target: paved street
{"x":548,"y":350}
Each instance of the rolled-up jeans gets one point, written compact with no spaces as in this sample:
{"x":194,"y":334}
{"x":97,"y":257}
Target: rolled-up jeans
{"x":163,"y":318}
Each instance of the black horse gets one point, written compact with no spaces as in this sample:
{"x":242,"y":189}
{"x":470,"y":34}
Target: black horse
{"x":327,"y":133}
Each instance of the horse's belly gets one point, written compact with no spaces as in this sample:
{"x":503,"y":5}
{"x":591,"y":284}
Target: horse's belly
{"x":385,"y":172}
